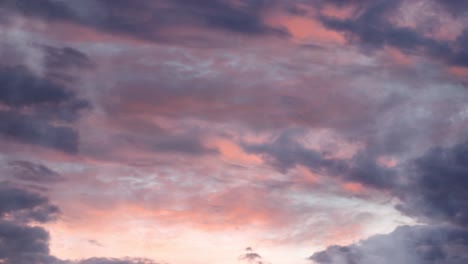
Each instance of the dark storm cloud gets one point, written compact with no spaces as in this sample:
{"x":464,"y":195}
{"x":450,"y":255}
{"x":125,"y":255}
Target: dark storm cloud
{"x":21,"y":90}
{"x":406,"y":245}
{"x":21,"y":243}
{"x":371,"y":29}
{"x":285,"y":152}
{"x":244,"y":18}
{"x":461,"y":56}
{"x":19,"y":87}
{"x":25,"y":206}
{"x":432,"y":187}
{"x":436,"y":191}
{"x":159,"y":140}
{"x":433,"y":192}
{"x":145,"y":19}
{"x":37,"y":131}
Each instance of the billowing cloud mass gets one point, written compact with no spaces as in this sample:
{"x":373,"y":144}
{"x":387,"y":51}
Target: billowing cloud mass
{"x":230,"y":131}
{"x":404,"y":245}
{"x":435,"y":194}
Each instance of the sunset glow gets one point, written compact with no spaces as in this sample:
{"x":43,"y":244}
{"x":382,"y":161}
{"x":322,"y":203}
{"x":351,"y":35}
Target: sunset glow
{"x":233,"y":131}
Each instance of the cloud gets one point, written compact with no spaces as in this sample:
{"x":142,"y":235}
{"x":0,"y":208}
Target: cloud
{"x":23,"y":243}
{"x":285,"y":152}
{"x":19,"y":87}
{"x":25,"y":206}
{"x":32,"y":103}
{"x":436,"y":189}
{"x":65,"y":58}
{"x":32,"y":172}
{"x":38,"y":131}
{"x":147,"y":19}
{"x":434,"y":192}
{"x":372,"y":29}
{"x":405,"y":245}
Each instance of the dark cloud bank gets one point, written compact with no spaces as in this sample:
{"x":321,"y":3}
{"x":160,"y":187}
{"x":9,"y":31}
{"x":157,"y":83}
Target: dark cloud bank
{"x":434,"y":192}
{"x":38,"y":109}
{"x":371,"y":29}
{"x":433,"y":189}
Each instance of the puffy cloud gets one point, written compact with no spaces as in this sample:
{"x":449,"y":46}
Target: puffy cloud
{"x":371,"y":28}
{"x":436,"y":187}
{"x":20,"y":242}
{"x":30,"y":104}
{"x":37,"y":131}
{"x":406,"y":245}
{"x":285,"y":152}
{"x":25,"y":206}
{"x":21,"y":88}
{"x":433,"y":192}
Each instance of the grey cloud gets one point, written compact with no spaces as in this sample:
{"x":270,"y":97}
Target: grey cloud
{"x":21,"y":243}
{"x":144,"y":19}
{"x":65,"y":58}
{"x":406,"y":245}
{"x":285,"y":152}
{"x":456,"y":7}
{"x":19,"y":87}
{"x":33,"y":172}
{"x":25,"y":206}
{"x":38,"y":131}
{"x":436,"y":188}
{"x":23,"y":93}
{"x":433,"y":192}
{"x":371,"y":29}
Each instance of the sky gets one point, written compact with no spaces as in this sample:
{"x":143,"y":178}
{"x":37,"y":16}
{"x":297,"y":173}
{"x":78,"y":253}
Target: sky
{"x":233,"y":131}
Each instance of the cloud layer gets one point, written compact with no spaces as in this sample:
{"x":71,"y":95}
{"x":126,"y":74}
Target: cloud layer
{"x":143,"y":129}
